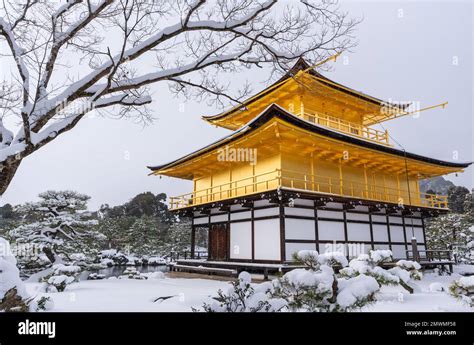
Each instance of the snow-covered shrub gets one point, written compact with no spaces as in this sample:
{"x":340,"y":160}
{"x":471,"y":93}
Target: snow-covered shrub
{"x":106,"y":262}
{"x":404,"y":272}
{"x":58,"y":283}
{"x":13,"y":296}
{"x":133,"y":260}
{"x":132,"y":273}
{"x":463,"y":289}
{"x":307,"y":289}
{"x":243,"y":297}
{"x":355,"y":292}
{"x":333,"y":259}
{"x":154,"y":261}
{"x":61,"y":277}
{"x":112,"y":257}
{"x":44,"y":304}
{"x":317,"y":288}
{"x":95,"y":276}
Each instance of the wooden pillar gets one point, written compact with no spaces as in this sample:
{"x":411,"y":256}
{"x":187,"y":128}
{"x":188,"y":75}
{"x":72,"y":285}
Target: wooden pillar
{"x":414,"y":248}
{"x":346,"y":237}
{"x":371,"y":226}
{"x":341,"y":190}
{"x":316,"y":227}
{"x":282,"y":233}
{"x":388,"y":230}
{"x":366,"y":182}
{"x":193,"y":238}
{"x":253,"y":232}
{"x":405,"y":232}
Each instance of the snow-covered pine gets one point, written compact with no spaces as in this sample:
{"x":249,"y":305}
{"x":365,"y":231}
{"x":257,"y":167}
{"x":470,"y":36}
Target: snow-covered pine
{"x":316,"y":288}
{"x":243,"y":296}
{"x":404,"y":272}
{"x":463,"y":289}
{"x":319,"y":288}
{"x":454,"y":231}
{"x":66,"y":65}
{"x":61,"y":276}
{"x":54,"y":229}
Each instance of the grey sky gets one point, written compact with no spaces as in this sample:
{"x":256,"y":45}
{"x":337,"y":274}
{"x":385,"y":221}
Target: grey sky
{"x":406,"y":52}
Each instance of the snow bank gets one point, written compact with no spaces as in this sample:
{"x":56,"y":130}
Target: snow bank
{"x":9,"y":273}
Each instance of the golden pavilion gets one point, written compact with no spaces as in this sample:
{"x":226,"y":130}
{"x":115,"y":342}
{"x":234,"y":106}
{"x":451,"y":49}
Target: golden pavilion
{"x":303,"y":168}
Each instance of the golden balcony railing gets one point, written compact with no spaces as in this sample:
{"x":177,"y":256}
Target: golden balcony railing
{"x":313,"y":183}
{"x":340,"y":125}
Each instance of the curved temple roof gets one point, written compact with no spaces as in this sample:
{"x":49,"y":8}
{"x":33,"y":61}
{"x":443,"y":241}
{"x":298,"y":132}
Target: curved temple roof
{"x":276,"y":111}
{"x":302,"y":65}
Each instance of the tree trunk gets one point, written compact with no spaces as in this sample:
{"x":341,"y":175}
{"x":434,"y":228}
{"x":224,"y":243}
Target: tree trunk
{"x":7,"y":173}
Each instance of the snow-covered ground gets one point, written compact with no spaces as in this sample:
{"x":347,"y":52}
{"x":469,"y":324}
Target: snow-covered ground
{"x":139,"y":295}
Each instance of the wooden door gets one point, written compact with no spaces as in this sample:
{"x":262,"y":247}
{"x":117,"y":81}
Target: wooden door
{"x":218,"y":238}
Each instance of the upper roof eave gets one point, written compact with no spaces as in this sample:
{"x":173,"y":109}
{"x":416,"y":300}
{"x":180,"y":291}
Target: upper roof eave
{"x":302,"y":65}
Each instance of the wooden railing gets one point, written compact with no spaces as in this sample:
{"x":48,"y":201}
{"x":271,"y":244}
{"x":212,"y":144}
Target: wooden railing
{"x":340,"y":125}
{"x":308,"y":182}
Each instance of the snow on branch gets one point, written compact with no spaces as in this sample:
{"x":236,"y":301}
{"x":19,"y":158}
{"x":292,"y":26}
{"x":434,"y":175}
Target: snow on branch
{"x":92,"y":52}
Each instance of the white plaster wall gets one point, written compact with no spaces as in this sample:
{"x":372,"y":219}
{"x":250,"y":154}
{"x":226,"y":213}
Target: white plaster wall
{"x":304,"y":202}
{"x":267,"y":239}
{"x":260,"y":203}
{"x":358,"y":232}
{"x":396,"y":220}
{"x":330,"y":214}
{"x":357,"y":216}
{"x":274,"y":211}
{"x":416,"y":221}
{"x":295,"y":211}
{"x":219,"y":218}
{"x":236,"y":207}
{"x":378,"y":218}
{"x":418,"y":234}
{"x":381,"y":246}
{"x":331,"y":230}
{"x":299,"y":229}
{"x":398,"y":251}
{"x":203,"y":220}
{"x":396,"y":233}
{"x":240,"y":215}
{"x":241,"y":240}
{"x":380,"y":233}
{"x":334,"y":205}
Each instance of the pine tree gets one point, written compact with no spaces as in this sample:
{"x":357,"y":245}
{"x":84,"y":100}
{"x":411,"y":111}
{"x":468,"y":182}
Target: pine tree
{"x":454,"y":230}
{"x":54,"y":228}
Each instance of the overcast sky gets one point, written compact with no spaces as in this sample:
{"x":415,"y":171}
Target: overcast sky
{"x":408,"y":51}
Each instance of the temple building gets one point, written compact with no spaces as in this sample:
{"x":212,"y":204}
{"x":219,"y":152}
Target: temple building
{"x":303,"y":168}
